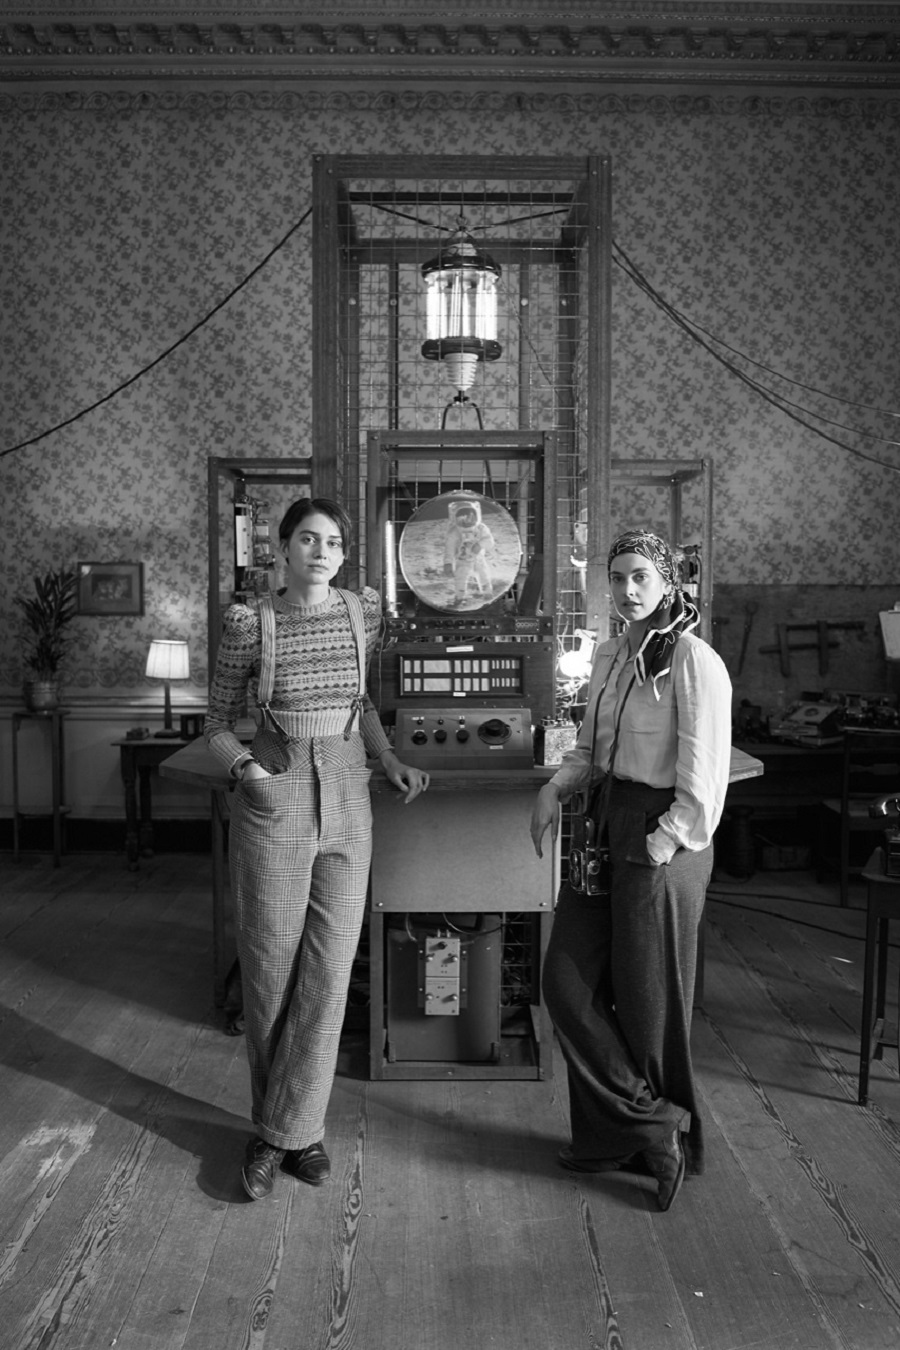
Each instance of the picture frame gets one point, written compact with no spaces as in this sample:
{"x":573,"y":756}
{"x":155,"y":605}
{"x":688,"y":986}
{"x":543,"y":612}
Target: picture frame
{"x":110,"y":588}
{"x":460,"y":551}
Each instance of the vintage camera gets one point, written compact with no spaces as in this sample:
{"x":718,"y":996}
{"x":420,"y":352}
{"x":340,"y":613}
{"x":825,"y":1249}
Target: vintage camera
{"x":588,"y":859}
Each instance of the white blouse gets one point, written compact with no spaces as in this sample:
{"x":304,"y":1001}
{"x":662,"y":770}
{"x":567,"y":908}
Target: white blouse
{"x":682,"y":740}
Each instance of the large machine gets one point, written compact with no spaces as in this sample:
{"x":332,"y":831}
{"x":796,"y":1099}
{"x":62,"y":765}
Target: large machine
{"x":474,"y":293}
{"x":462,"y":545}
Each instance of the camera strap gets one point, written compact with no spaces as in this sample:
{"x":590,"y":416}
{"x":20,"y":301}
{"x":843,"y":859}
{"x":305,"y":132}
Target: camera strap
{"x":594,"y":806}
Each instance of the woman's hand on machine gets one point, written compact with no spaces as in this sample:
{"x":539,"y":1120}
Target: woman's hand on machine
{"x":410,"y":781}
{"x":545,"y":813}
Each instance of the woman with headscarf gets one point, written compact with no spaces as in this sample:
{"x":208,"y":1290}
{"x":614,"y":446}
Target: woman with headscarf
{"x":620,"y":968}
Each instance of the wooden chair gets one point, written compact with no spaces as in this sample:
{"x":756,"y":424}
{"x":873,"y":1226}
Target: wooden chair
{"x":882,"y":907}
{"x":870,"y":767}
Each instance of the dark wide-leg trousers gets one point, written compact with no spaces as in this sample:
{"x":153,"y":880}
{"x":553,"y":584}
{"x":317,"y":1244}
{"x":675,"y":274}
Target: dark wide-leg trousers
{"x":619,"y":985}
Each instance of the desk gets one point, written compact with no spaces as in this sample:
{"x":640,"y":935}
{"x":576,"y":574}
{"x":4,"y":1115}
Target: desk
{"x":139,"y":758}
{"x":194,"y":764}
{"x":795,"y":775}
{"x":52,"y":717}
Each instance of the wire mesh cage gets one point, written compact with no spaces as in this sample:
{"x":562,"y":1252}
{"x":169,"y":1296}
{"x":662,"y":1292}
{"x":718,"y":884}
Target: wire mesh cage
{"x":464,"y":295}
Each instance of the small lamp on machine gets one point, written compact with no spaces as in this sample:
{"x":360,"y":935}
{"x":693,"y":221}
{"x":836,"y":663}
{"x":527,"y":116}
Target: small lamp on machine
{"x":167,"y":660}
{"x":576,"y":664}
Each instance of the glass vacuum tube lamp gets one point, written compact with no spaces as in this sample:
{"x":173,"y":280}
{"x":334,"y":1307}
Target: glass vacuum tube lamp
{"x":461,"y":293}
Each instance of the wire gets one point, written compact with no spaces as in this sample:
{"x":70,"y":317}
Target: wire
{"x":801,"y":923}
{"x":633,"y":272}
{"x":23,"y":445}
{"x":470,"y":229}
{"x":779,"y":374}
{"x":688,"y":326}
{"x":472,"y":933}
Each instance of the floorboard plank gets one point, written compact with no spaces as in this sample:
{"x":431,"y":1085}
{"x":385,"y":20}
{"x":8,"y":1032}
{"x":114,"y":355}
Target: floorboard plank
{"x":448,"y":1219}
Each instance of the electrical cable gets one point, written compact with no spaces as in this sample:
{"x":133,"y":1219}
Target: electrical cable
{"x":471,"y":933}
{"x":780,"y":375}
{"x":33,"y":440}
{"x":627,"y":265}
{"x":633,"y":272}
{"x":801,"y":923}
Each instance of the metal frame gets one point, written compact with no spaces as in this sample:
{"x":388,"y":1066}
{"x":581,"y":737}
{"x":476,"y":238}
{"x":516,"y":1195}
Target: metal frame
{"x":258,"y":472}
{"x":336,"y":252}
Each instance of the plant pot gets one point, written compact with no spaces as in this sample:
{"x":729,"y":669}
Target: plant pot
{"x":41,"y":695}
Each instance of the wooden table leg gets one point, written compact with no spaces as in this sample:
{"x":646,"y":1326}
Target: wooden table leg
{"x":218,"y":817}
{"x":377,"y":991}
{"x":129,"y":778}
{"x":865,"y":1039}
{"x":145,"y":830}
{"x":58,"y":785}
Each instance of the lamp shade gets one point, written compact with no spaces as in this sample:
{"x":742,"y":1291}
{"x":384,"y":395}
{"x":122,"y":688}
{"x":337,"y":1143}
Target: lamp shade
{"x":168,"y":659}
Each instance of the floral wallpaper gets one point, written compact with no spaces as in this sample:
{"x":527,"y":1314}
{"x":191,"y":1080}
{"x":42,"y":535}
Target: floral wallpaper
{"x":126,"y":221}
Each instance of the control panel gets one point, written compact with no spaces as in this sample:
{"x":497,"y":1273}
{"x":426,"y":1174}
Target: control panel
{"x":464,"y":738}
{"x":442,"y":976}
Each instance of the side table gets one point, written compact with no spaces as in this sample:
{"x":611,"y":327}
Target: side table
{"x":54,"y":718}
{"x":139,"y":759}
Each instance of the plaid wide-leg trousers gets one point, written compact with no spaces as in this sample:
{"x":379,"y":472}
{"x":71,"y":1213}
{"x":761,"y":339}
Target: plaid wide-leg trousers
{"x":299,"y":851}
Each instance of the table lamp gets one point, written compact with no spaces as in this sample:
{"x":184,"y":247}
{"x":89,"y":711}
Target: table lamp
{"x":168,"y":659}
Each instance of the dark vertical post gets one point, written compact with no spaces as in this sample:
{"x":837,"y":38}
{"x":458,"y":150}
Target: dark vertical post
{"x":599,"y":446}
{"x":326,"y":419}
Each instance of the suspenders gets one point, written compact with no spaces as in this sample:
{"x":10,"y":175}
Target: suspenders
{"x":267,"y":659}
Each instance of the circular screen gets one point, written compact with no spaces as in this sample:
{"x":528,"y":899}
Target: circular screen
{"x":460,"y":551}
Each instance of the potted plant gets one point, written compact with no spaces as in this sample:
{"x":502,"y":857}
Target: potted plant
{"x":47,"y":614}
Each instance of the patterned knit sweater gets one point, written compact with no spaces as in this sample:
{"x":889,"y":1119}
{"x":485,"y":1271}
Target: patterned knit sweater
{"x":315,"y":668}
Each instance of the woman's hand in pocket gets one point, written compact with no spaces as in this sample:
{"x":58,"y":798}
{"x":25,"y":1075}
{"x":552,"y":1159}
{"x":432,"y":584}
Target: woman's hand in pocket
{"x":254,"y":772}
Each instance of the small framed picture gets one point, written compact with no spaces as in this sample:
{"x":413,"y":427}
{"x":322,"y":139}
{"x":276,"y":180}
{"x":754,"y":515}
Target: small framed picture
{"x":110,"y":588}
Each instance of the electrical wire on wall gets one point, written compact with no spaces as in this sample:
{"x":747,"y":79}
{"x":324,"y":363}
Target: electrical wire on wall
{"x":126,"y":384}
{"x":789,"y":407}
{"x":716,"y":347}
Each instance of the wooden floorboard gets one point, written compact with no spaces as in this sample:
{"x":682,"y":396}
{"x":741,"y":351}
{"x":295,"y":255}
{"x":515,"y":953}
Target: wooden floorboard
{"x":448,"y":1220}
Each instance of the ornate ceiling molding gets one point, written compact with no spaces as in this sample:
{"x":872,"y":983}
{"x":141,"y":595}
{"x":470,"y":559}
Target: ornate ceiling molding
{"x":400,"y":42}
{"x":584,"y":105}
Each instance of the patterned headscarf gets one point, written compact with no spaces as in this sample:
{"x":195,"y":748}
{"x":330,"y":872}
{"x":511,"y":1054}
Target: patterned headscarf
{"x":673,"y":615}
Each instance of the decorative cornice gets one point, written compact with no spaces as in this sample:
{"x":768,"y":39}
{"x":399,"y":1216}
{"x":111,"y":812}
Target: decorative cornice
{"x":817,"y":105}
{"x":573,"y":43}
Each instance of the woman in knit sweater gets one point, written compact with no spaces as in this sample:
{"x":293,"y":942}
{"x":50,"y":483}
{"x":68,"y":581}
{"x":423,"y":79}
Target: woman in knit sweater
{"x":301,"y":828}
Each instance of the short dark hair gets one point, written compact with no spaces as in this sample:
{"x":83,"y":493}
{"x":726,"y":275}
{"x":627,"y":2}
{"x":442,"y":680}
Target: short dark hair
{"x":310,"y":506}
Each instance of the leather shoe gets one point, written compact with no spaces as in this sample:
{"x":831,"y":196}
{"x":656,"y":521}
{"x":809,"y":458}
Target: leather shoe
{"x":258,"y":1172}
{"x":311,"y":1165}
{"x":666,"y":1162}
{"x":566,"y":1158}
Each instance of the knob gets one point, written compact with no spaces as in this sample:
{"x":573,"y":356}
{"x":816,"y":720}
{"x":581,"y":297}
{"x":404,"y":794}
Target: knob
{"x":419,"y":737}
{"x":440,"y":734}
{"x":494,"y":729}
{"x":462,"y":734}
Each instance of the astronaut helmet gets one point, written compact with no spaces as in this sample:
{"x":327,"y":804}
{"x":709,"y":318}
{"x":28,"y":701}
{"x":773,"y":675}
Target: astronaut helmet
{"x":465,"y":512}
